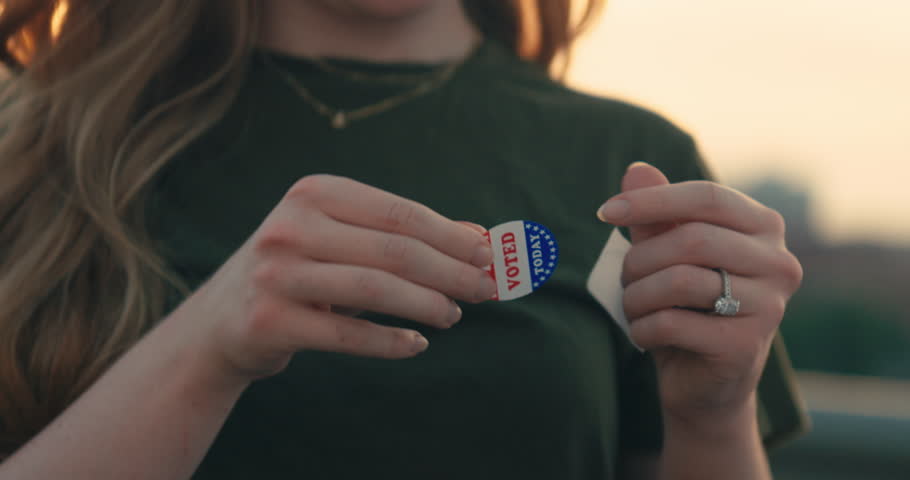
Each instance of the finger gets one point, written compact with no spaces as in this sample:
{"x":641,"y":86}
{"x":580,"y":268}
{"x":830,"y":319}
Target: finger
{"x":345,"y":310}
{"x":473,"y":226}
{"x":688,"y":286}
{"x":359,"y":288}
{"x":355,"y":203}
{"x":403,"y":256}
{"x":330,"y":332}
{"x":641,"y":175}
{"x":695,"y":201}
{"x":700,"y":244}
{"x":709,"y":335}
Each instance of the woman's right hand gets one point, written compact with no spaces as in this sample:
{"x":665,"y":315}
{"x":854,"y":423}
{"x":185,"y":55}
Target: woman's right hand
{"x":334,"y":242}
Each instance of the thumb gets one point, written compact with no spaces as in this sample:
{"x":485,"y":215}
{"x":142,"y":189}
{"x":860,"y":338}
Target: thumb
{"x":642,"y":175}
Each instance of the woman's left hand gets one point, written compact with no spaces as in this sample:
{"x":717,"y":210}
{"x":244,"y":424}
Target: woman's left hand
{"x":708,"y":365}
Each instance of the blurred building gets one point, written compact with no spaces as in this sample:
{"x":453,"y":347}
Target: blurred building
{"x":793,"y":202}
{"x":872,"y":272}
{"x":849,"y":319}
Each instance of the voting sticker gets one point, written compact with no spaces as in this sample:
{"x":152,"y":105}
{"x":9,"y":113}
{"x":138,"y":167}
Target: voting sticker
{"x":525,"y":255}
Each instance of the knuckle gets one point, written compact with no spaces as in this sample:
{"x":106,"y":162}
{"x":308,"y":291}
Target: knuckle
{"x":395,"y":250}
{"x":274,"y":235}
{"x":367,"y":283}
{"x":791,"y":271}
{"x":267,"y":275}
{"x":775,"y":221}
{"x":402,"y":214}
{"x":695,"y":239}
{"x":715,"y":195}
{"x":311,"y":187}
{"x":683,"y":281}
{"x":795,"y":272}
{"x":264,"y":315}
{"x":465,"y":282}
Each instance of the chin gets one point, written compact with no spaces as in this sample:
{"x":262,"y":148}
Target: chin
{"x":386,"y":9}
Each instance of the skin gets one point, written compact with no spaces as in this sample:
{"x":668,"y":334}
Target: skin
{"x":708,"y":366}
{"x":156,"y":411}
{"x":428,"y":31}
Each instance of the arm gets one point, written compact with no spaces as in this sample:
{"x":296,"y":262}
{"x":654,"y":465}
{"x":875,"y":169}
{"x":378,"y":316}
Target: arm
{"x":712,"y":449}
{"x":331,"y":241}
{"x":715,"y":448}
{"x":152,"y":415}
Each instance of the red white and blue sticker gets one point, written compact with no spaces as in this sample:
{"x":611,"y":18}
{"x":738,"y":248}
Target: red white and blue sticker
{"x":525,"y":255}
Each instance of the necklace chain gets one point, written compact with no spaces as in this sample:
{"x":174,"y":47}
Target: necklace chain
{"x":341,"y":118}
{"x":364,"y":77}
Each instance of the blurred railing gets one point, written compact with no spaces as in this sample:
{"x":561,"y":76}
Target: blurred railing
{"x":861,"y":431}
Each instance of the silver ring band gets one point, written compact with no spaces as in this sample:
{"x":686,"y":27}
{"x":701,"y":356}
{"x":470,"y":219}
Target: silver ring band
{"x":725,"y":305}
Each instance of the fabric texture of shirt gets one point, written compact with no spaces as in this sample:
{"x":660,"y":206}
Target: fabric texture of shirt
{"x":543,"y":387}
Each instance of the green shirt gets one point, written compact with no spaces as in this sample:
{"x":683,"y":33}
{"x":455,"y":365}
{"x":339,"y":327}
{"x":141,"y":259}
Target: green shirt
{"x":542,"y":387}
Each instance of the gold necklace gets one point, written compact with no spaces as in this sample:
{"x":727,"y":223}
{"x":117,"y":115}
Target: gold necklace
{"x":363,"y":77}
{"x":340,"y":118}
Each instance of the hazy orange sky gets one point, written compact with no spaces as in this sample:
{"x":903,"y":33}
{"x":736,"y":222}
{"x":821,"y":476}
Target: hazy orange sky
{"x":814,"y":90}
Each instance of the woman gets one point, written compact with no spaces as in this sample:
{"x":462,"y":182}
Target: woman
{"x":181,"y":284}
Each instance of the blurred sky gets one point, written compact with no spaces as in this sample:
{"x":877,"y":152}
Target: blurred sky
{"x":813,"y":90}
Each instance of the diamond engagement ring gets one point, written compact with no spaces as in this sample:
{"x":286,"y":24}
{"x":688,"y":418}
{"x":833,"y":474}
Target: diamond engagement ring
{"x":725,"y":305}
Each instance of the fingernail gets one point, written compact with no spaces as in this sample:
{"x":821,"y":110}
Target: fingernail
{"x":483,"y":256}
{"x":420,"y":343}
{"x":636,"y":164}
{"x":454,"y":314}
{"x":615,"y":209}
{"x":473,"y":226}
{"x":487,"y":289}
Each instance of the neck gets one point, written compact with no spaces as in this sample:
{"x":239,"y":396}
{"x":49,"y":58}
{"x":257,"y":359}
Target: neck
{"x":439,"y":32}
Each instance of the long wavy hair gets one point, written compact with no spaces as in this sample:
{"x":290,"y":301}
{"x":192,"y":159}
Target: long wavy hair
{"x":98,"y":96}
